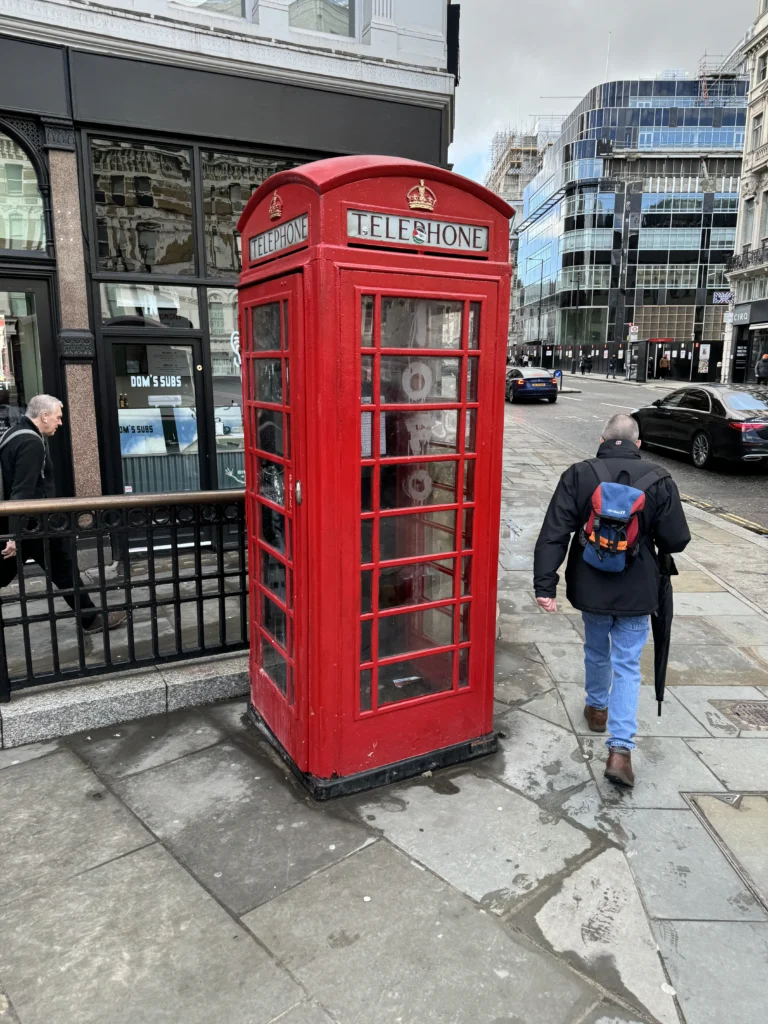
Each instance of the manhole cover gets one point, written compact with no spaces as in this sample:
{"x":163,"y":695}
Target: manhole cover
{"x":746,"y":714}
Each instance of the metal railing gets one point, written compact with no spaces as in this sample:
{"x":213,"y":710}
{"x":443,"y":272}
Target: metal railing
{"x":753,"y":258}
{"x":171,"y":567}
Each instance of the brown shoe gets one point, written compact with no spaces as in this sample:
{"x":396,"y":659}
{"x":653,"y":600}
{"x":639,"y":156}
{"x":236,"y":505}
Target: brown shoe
{"x":114,"y":619}
{"x":619,"y":767}
{"x":597,"y":718}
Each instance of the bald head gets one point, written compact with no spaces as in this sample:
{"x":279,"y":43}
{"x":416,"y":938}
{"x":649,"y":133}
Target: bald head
{"x":621,"y":428}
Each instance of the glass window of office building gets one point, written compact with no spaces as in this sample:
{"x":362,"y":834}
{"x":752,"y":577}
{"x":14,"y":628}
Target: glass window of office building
{"x":336,"y":17}
{"x":22,"y":217}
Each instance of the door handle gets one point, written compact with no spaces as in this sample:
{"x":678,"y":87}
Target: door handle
{"x":299,"y":497}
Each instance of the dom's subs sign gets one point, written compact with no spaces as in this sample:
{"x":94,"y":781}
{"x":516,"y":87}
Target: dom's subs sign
{"x":392,"y":229}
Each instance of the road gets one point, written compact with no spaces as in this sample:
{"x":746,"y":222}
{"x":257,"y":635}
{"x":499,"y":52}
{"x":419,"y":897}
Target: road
{"x":737,"y":493}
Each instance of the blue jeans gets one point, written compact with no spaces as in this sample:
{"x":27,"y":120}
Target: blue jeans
{"x":612,"y":648}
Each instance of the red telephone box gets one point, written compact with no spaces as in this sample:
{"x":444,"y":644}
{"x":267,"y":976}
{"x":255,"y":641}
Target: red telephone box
{"x":374,"y":306}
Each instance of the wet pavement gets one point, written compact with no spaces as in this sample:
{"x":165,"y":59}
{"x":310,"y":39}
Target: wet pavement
{"x":171,"y":870}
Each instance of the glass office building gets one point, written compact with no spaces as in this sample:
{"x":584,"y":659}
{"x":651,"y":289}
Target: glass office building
{"x":630,"y":222}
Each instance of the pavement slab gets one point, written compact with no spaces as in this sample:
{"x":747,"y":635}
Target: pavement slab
{"x":585,"y":806}
{"x":17,"y":755}
{"x":550,"y":707}
{"x":741,"y":765}
{"x":710,"y":604}
{"x":58,"y":820}
{"x":692,"y":581}
{"x":135,"y":747}
{"x":675,"y":720}
{"x":680,"y":870}
{"x":564,"y":660}
{"x":745,"y":630}
{"x":664,"y":768}
{"x":506,"y":847}
{"x":701,"y":666}
{"x":697,"y":629}
{"x":537,"y":626}
{"x":136,"y":940}
{"x":719,"y":969}
{"x":380,"y":940}
{"x":519,"y":673}
{"x":597,"y":921}
{"x":536,"y":757}
{"x":304,"y":1013}
{"x":743,"y":828}
{"x":239,"y":823}
{"x":698,"y":700}
{"x":605,"y":1013}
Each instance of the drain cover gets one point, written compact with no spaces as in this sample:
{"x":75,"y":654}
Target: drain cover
{"x":746,"y":714}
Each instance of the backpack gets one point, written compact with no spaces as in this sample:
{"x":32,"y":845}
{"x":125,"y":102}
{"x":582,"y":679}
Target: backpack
{"x":610,"y":535}
{"x":8,"y":436}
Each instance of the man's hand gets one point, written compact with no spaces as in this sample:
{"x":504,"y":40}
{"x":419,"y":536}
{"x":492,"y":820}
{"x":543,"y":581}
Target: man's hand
{"x":9,"y":551}
{"x":549,"y":604}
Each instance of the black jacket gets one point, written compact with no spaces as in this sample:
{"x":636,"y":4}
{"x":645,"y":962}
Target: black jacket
{"x":761,"y":370}
{"x":26,"y":465}
{"x":661,"y":524}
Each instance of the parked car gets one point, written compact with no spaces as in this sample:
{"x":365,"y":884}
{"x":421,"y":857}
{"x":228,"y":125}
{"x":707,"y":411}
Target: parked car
{"x":530,"y":382}
{"x":709,"y":421}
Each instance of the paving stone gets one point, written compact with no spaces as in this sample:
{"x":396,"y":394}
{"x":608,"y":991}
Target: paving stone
{"x":697,"y":629}
{"x":675,"y":719}
{"x":235,"y":820}
{"x":697,"y":699}
{"x":17,"y":755}
{"x":377,"y":939}
{"x":519,"y":673}
{"x":596,"y":920}
{"x":739,"y":764}
{"x":228,"y":715}
{"x":710,"y":604}
{"x":536,"y":757}
{"x":718,"y":968}
{"x":510,"y":561}
{"x":605,"y":1013}
{"x":204,"y":681}
{"x":7,"y":1012}
{"x":513,"y":580}
{"x":518,"y":602}
{"x":664,"y":768}
{"x":680,"y":870}
{"x":304,"y":1013}
{"x":525,"y":629}
{"x":137,"y":746}
{"x":585,"y":806}
{"x":57,"y":821}
{"x":695,"y":582}
{"x":550,"y":707}
{"x":702,"y":666}
{"x":136,"y":940}
{"x":744,"y":629}
{"x":743,"y":827}
{"x":504,"y":849}
{"x":564,"y":660}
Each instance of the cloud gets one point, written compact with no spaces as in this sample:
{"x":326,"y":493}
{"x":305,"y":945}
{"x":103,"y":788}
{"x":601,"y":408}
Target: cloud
{"x":512,"y":54}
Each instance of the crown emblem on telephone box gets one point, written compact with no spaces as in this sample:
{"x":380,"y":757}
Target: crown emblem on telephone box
{"x":421,"y":197}
{"x":276,"y":207}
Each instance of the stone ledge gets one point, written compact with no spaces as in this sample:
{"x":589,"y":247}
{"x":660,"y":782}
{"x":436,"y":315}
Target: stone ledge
{"x":46,"y":713}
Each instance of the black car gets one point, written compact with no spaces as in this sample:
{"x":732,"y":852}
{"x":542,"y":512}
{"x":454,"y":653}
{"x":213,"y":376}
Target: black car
{"x":709,"y":421}
{"x":530,"y":382}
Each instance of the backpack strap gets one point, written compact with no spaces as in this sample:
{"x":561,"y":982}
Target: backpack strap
{"x":601,"y":471}
{"x":656,"y":474}
{"x":10,"y":434}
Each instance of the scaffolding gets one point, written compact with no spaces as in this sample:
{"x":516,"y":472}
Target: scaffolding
{"x":516,"y":157}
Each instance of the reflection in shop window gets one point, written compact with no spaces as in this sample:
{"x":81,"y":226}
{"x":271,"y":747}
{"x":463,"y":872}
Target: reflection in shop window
{"x":143,"y":199}
{"x":233,"y":8}
{"x":227,"y":387}
{"x":22,"y":219}
{"x":149,"y":305}
{"x":228,"y":181}
{"x":336,"y":17}
{"x":20,"y":373}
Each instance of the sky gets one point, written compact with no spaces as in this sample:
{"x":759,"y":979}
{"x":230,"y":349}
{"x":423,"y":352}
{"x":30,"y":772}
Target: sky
{"x":514,"y":52}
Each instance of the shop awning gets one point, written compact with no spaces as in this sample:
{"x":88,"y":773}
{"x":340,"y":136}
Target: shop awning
{"x":758,"y":327}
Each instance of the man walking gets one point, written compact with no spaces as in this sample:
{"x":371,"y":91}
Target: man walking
{"x":612,"y":364}
{"x":27,"y":474}
{"x":761,"y":370}
{"x":615,"y":602}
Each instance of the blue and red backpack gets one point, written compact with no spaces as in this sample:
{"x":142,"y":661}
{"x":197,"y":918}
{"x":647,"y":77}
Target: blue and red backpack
{"x":610,"y":535}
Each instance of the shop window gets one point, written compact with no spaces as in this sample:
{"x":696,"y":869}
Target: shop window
{"x":19,"y":355}
{"x":227,"y":387}
{"x":144,"y":220}
{"x":22,"y":217}
{"x":228,"y":181}
{"x":150,"y":306}
{"x":336,"y":17}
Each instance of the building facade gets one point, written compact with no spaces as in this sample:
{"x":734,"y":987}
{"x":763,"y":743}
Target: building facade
{"x":131,"y":137}
{"x":747,"y":337}
{"x":630,"y":222}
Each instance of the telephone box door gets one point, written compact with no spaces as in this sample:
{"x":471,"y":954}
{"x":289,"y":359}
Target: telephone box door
{"x":427,"y":465}
{"x":273,"y":371}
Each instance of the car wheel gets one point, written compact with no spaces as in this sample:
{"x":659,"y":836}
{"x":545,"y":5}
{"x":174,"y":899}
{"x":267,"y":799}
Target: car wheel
{"x":552,"y":398}
{"x":701,"y":451}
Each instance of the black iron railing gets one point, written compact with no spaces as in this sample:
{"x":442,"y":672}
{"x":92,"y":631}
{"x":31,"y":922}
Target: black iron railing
{"x":167,"y":573}
{"x":753,"y":258}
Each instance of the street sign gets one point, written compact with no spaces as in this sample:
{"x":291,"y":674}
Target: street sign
{"x":634,"y":330}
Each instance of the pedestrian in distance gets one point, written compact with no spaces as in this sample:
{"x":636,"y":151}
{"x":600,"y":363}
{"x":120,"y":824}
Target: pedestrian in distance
{"x":583,"y":365}
{"x":27,"y":474}
{"x":623,"y":514}
{"x":589,"y":364}
{"x":613,"y":362}
{"x":664,"y":366}
{"x":761,"y":370}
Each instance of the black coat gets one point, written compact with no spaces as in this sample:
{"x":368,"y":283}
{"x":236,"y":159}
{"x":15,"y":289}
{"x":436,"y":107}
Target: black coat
{"x":761,"y":370}
{"x":661,"y":524}
{"x":26,"y":465}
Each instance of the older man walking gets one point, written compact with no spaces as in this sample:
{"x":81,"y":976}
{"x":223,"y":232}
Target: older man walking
{"x":622,"y":513}
{"x":27,"y":473}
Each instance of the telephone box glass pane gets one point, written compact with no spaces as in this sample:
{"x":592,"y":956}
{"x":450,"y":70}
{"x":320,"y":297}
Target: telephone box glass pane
{"x":274,"y":665}
{"x":472,"y":378}
{"x":366,"y":591}
{"x":420,"y":323}
{"x":474,"y":325}
{"x":366,"y":540}
{"x":365,"y":640}
{"x":366,"y":382}
{"x":466,"y":576}
{"x":365,"y":690}
{"x":469,"y":480}
{"x":366,"y":327}
{"x":413,"y":535}
{"x":273,"y":620}
{"x":414,"y":484}
{"x":415,"y":677}
{"x":464,"y":668}
{"x":266,"y":328}
{"x":269,"y":381}
{"x":273,"y":574}
{"x":415,"y":631}
{"x":406,"y":380}
{"x":367,"y":476}
{"x":273,"y":528}
{"x":470,"y":431}
{"x":271,"y":477}
{"x":420,"y":433}
{"x":403,"y":585}
{"x":269,"y":431}
{"x":469,"y":519}
{"x":464,"y":623}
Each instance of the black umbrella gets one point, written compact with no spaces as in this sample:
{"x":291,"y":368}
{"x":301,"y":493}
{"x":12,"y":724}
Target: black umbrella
{"x":661,"y":626}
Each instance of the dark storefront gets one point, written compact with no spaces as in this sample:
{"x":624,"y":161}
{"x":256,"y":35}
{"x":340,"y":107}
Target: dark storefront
{"x":750,"y":340}
{"x":118,"y":251}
